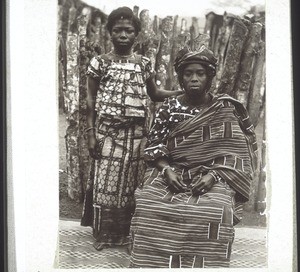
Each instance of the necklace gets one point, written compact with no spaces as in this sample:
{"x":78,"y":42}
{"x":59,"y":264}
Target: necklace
{"x":121,"y":56}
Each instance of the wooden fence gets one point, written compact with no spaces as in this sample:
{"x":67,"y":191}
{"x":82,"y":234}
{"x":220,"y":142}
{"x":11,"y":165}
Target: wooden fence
{"x":237,"y":42}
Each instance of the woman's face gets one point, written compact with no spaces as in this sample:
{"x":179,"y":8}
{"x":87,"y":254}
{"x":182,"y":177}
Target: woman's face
{"x":194,"y":79}
{"x":123,"y":35}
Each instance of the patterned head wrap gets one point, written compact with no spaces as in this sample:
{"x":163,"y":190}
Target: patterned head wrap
{"x":203,"y":56}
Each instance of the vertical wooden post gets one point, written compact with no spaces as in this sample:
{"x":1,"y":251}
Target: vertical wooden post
{"x":218,"y":22}
{"x":155,"y":25}
{"x":136,"y":11}
{"x":171,"y":76}
{"x":72,"y":108}
{"x":256,"y":90}
{"x":260,"y":199}
{"x":83,"y":58}
{"x":95,"y":41}
{"x":183,"y":26}
{"x":223,"y":41}
{"x":95,"y":33}
{"x":60,"y":12}
{"x":99,"y":35}
{"x":66,"y":4}
{"x":231,"y":57}
{"x":194,"y":29}
{"x":209,"y":20}
{"x":147,"y":39}
{"x":245,"y":74}
{"x":180,"y":39}
{"x":77,"y":157}
{"x":62,"y":57}
{"x":107,"y":42}
{"x":147,"y":45}
{"x":209,"y":23}
{"x":145,"y":21}
{"x":163,"y":54}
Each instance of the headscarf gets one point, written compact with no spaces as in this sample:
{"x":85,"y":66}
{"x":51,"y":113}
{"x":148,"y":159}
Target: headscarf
{"x":203,"y":56}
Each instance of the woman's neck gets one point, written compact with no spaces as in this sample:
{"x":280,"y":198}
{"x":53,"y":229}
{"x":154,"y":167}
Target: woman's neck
{"x":197,"y":101}
{"x":123,"y":53}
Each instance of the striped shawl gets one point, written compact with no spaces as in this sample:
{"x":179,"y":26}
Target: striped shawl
{"x":219,"y":138}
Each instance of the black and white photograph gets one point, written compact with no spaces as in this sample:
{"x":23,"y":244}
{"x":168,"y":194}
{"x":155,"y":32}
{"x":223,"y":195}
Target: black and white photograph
{"x":156,"y":135}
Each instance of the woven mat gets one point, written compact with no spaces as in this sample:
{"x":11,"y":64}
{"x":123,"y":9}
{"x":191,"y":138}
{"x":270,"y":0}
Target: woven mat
{"x":76,"y":249}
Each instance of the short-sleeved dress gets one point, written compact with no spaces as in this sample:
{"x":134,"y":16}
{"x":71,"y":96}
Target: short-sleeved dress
{"x":121,"y":128}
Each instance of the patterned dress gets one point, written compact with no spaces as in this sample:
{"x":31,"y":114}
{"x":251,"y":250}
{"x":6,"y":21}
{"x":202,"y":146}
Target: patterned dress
{"x":183,"y":230}
{"x":121,"y":127}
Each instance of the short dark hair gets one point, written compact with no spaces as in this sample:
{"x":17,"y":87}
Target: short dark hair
{"x":123,"y":13}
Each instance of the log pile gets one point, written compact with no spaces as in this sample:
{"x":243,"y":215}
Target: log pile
{"x":237,"y":42}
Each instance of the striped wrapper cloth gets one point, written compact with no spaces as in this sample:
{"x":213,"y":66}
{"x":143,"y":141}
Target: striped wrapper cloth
{"x":181,"y":229}
{"x":221,"y":138}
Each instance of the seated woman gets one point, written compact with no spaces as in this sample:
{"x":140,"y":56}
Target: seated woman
{"x":201,"y":154}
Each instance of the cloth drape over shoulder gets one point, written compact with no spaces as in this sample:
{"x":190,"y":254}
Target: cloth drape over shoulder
{"x":220,"y":138}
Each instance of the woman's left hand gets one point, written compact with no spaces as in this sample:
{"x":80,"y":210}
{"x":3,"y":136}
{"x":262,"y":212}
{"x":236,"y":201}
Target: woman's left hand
{"x":203,"y":184}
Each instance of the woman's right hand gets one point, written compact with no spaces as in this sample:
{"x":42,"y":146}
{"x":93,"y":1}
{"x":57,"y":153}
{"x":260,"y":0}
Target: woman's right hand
{"x":92,"y":145}
{"x":174,"y":180}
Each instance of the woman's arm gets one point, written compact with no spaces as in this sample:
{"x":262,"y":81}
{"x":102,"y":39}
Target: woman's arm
{"x":156,"y":153}
{"x":92,"y":86}
{"x":156,"y":94}
{"x":173,"y":179}
{"x":204,"y":184}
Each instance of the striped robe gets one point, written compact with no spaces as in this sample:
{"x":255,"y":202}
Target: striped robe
{"x":181,"y":229}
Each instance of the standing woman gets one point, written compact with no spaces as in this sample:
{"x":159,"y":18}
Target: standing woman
{"x":117,"y":123}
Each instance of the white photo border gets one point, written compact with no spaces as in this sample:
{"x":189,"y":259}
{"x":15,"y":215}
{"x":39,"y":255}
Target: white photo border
{"x":33,"y":104}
